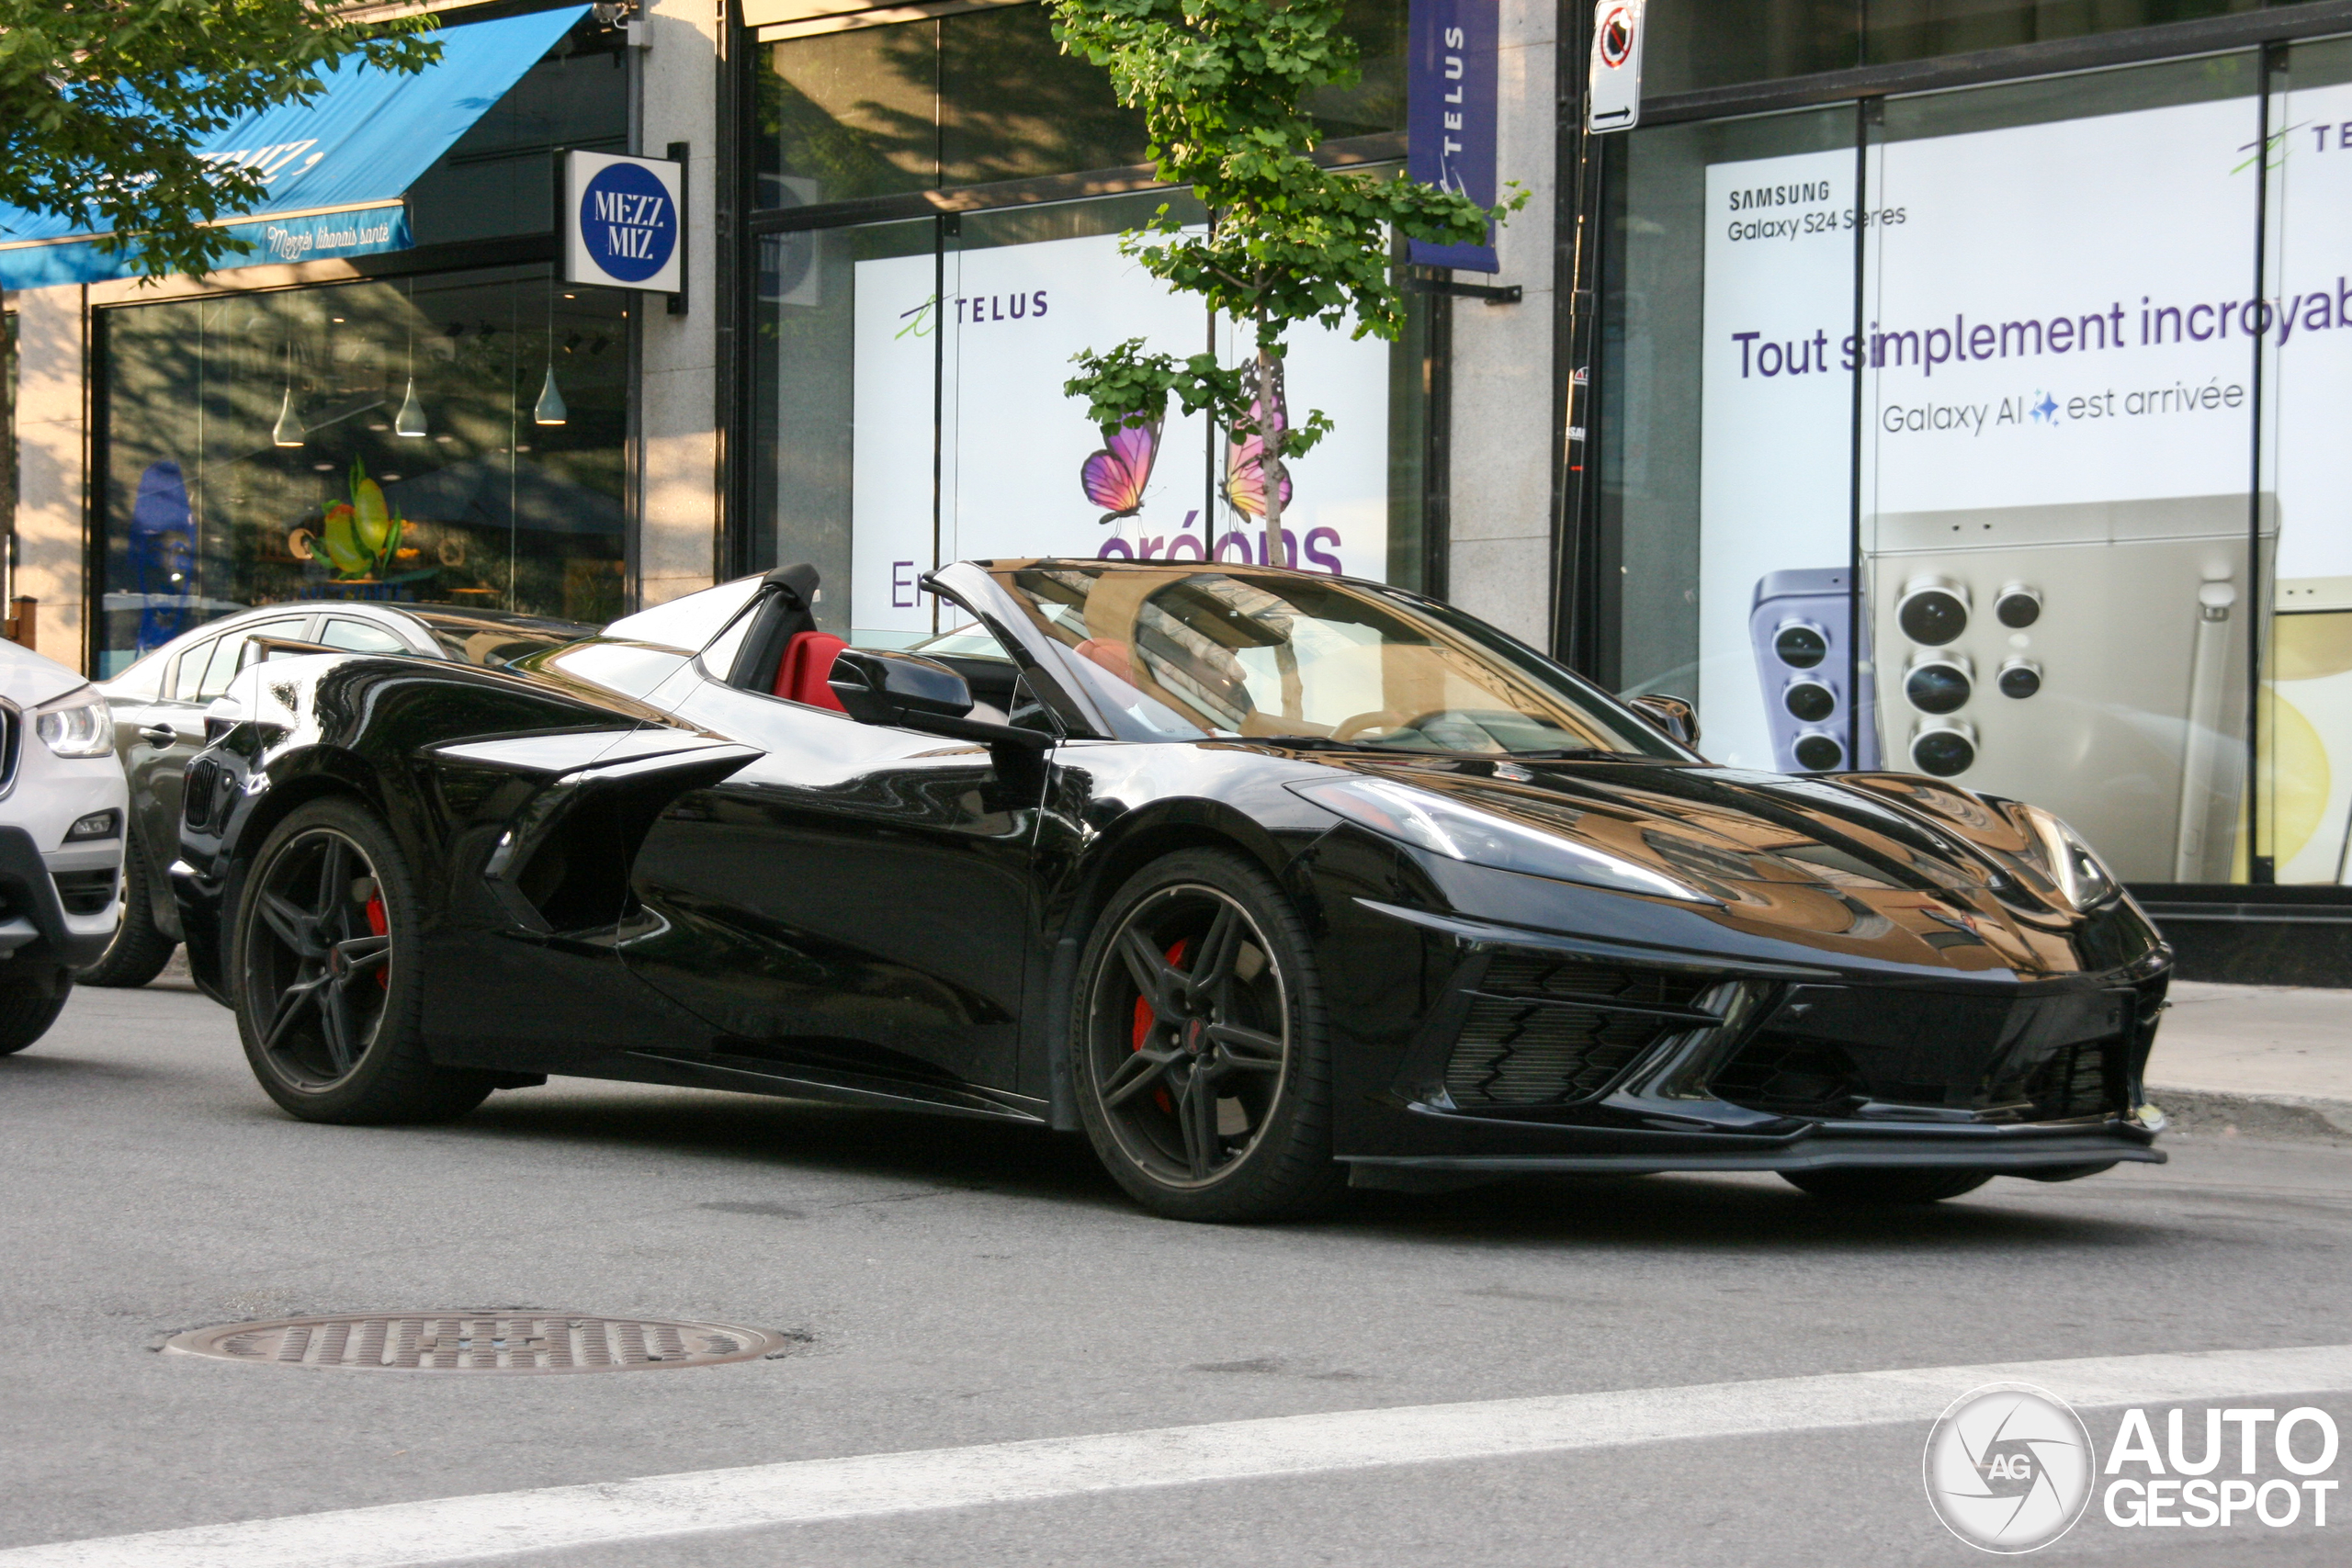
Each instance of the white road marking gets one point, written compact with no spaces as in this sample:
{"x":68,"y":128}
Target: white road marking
{"x":459,"y":1529}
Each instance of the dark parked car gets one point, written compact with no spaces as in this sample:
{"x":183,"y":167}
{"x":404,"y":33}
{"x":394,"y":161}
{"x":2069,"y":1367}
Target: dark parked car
{"x":1270,"y":882}
{"x":159,"y":704}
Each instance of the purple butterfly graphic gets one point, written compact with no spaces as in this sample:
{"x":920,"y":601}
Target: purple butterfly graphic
{"x":1245,"y":464}
{"x":1114,"y":476}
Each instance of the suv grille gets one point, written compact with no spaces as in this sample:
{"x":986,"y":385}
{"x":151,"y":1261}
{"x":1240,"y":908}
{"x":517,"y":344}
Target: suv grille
{"x":1547,"y":1031}
{"x":12,"y":728}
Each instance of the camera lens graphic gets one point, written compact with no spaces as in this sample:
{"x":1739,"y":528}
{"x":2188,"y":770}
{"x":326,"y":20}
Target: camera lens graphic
{"x":1800,"y":647}
{"x":1809,"y":700}
{"x":2019,"y":678}
{"x":1944,"y":750}
{"x":1939,"y":685}
{"x":1817,"y":753}
{"x":2009,"y":1468}
{"x":2019,"y":606}
{"x":1932,"y":611}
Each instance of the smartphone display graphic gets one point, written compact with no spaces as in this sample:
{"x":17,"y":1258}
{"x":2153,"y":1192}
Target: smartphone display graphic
{"x":2088,"y":658}
{"x":1800,"y":623}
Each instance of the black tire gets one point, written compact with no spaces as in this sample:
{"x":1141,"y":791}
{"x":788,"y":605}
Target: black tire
{"x":1893,"y":1184}
{"x":31,"y":999}
{"x":139,"y":951}
{"x":1198,"y":979}
{"x":328,"y":1003}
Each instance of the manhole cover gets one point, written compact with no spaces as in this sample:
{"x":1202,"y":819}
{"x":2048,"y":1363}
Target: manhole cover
{"x":477,"y":1342}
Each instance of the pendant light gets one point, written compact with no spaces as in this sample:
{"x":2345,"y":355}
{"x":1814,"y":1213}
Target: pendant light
{"x":410,"y":421}
{"x":288,"y":430}
{"x":549,"y":408}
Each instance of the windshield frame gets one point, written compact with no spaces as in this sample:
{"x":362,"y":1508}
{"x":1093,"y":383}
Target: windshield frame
{"x":1468,"y":636}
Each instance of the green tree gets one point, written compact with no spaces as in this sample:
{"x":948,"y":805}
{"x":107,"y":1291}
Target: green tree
{"x":1220,"y":82}
{"x":103,"y":102}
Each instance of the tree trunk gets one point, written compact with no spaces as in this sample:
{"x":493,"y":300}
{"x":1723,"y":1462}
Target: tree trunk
{"x":1274,"y":418}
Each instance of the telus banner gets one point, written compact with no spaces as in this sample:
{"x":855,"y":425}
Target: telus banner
{"x":1014,"y":470}
{"x":1450,"y":113}
{"x":2058,"y":373}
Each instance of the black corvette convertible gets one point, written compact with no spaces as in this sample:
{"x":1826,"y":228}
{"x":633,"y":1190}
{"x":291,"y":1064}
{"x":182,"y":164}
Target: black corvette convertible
{"x":1272,"y":883}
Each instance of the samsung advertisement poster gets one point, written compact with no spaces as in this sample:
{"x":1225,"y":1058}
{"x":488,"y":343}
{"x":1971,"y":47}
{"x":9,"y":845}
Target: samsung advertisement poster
{"x":2062,"y":535}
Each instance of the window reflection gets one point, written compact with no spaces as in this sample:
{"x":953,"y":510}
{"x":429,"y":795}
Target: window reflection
{"x":368,"y":441}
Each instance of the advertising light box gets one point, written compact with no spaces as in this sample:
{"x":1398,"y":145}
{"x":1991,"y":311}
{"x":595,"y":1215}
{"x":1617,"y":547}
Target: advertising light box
{"x":1014,"y":447}
{"x":2062,"y":524}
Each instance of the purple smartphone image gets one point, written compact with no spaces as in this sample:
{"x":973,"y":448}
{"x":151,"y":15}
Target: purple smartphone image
{"x":1803,"y":625}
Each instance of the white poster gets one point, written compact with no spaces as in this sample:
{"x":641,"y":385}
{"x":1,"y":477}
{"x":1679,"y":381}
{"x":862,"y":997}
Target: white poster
{"x":2059,"y":388}
{"x":1013,"y":445}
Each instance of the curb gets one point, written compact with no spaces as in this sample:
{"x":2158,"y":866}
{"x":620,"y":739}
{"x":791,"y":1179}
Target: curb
{"x":2200,"y":1112}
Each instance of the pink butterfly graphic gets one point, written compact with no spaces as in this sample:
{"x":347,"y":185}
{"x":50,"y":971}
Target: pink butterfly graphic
{"x":1245,"y":465}
{"x":1114,"y":476}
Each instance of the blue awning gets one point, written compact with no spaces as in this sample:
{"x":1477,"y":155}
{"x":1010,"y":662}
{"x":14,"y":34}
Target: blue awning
{"x":337,"y":166}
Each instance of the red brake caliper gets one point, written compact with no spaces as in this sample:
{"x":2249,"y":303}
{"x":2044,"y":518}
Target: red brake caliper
{"x":378,"y":924}
{"x":1143,"y":1022}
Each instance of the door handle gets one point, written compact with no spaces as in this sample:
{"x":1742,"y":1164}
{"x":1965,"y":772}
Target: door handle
{"x":159,"y":736}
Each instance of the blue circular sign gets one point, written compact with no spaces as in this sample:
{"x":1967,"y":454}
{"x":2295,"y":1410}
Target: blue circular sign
{"x":627,"y":222}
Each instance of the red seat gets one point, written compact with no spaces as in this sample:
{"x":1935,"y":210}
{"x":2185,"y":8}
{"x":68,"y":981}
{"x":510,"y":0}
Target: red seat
{"x":806,"y":665}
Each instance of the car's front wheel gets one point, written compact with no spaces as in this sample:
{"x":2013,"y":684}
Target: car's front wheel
{"x":139,"y":949}
{"x":1199,"y":1048}
{"x":323,"y":974}
{"x":31,"y":996}
{"x":1895,"y":1184}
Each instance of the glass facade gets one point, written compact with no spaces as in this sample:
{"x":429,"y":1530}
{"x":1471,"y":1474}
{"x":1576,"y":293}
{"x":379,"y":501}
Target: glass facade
{"x":907,"y":381}
{"x":451,"y":439}
{"x":2013,"y":412}
{"x":1697,"y":44}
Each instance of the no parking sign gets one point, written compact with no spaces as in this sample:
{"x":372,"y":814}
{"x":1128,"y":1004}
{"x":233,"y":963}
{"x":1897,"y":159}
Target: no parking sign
{"x":622,"y":226}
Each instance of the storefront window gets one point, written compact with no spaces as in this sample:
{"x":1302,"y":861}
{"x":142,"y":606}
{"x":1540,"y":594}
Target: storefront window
{"x":2302,"y":821}
{"x":2057,"y":564}
{"x":983,"y":96}
{"x":912,"y":412}
{"x":454,"y":439}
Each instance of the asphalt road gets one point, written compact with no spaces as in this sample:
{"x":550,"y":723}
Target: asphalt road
{"x":953,"y":1284}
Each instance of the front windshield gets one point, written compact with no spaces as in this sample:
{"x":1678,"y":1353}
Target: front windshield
{"x":1185,"y":653}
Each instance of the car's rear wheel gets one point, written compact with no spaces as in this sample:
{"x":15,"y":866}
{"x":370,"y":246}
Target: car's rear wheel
{"x":31,"y":999}
{"x":1201,"y":1062}
{"x":1897,"y":1184}
{"x":323,"y":974}
{"x":139,"y":949}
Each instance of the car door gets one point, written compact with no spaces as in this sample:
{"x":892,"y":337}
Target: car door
{"x":168,"y":730}
{"x":856,"y":904}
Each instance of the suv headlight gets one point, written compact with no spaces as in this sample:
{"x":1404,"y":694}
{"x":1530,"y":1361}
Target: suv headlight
{"x":1431,"y":821}
{"x":2081,"y":877}
{"x":76,"y":725}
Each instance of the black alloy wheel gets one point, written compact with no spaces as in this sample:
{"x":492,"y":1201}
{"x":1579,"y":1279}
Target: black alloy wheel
{"x":138,"y":948}
{"x":1891,"y":1184}
{"x":322,"y":976}
{"x":1203,"y":1075}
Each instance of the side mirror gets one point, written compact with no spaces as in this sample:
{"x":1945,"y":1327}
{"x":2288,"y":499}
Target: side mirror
{"x":1674,"y":715}
{"x":902,"y":689}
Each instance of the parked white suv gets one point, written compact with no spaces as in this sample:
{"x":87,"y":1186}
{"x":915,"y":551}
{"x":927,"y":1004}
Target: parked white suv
{"x":62,"y":806}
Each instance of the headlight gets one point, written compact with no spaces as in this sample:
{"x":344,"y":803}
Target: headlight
{"x":2083,"y":880}
{"x":76,"y":725}
{"x":1431,"y":821}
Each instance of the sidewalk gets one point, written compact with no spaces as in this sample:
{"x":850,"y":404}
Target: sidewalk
{"x":2264,"y":1060}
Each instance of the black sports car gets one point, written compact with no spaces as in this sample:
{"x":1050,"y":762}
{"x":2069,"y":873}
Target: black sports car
{"x":1270,"y":882}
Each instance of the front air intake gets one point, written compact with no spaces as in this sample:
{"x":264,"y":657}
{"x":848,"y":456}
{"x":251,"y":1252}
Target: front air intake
{"x":1550,"y":1031}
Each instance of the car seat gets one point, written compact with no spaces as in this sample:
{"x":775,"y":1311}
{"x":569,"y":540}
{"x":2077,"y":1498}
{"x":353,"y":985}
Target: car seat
{"x":784,"y":654}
